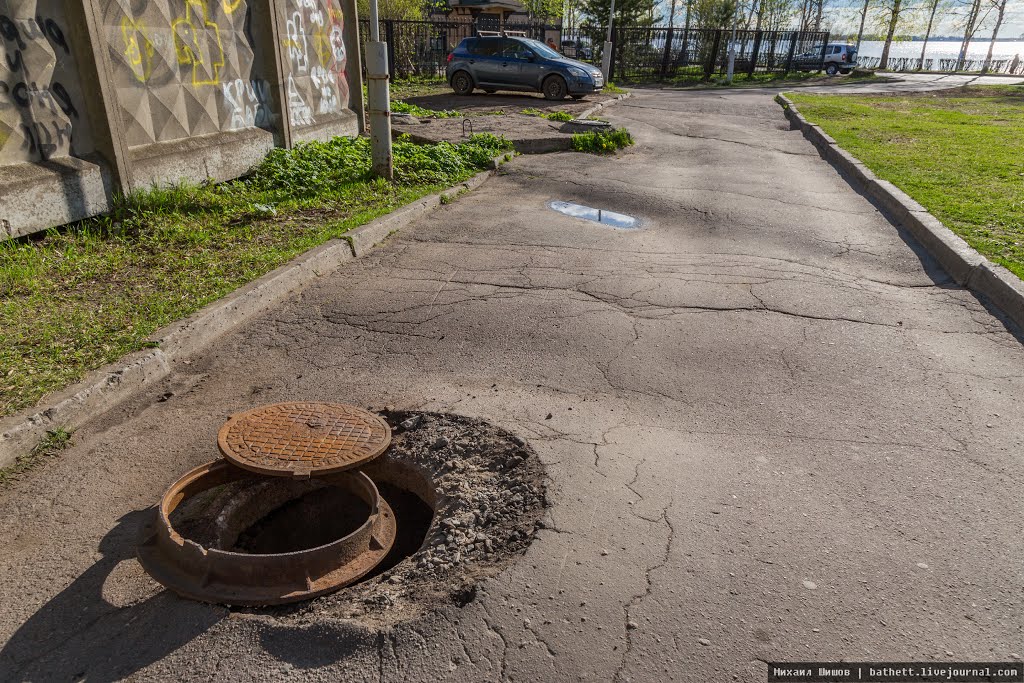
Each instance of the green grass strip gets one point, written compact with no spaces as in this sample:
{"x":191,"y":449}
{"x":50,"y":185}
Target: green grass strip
{"x":959,"y":153}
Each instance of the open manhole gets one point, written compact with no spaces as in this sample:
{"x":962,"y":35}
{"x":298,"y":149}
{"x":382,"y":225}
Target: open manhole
{"x":447,"y":501}
{"x":603,"y":216}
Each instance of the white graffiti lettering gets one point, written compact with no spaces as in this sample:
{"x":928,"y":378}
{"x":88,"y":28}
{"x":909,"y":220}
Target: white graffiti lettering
{"x":299,"y":113}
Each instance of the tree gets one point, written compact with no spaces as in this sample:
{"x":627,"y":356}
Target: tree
{"x":889,"y":14}
{"x":627,"y":12}
{"x":544,"y":9}
{"x":713,"y":13}
{"x":392,"y":9}
{"x":973,"y":22}
{"x":933,"y":9}
{"x":1000,"y":8}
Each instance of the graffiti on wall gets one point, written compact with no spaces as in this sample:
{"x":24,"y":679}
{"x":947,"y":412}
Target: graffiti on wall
{"x":184,"y":68}
{"x":315,"y":47}
{"x":41,"y":111}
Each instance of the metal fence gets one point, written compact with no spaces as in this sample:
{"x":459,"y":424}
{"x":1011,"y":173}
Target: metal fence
{"x":641,"y":54}
{"x":674,"y":54}
{"x":996,"y":66}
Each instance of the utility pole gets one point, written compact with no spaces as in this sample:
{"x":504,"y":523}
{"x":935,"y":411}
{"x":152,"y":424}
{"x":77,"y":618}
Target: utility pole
{"x":380,"y":100}
{"x":606,"y":56}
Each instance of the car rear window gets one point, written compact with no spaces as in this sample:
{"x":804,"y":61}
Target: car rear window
{"x":469,"y":45}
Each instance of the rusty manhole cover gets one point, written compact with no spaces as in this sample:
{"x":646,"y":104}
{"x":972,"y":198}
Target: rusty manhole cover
{"x":303,"y":439}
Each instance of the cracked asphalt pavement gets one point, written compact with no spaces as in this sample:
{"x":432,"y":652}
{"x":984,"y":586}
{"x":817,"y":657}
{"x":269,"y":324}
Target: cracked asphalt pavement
{"x":774,"y":430}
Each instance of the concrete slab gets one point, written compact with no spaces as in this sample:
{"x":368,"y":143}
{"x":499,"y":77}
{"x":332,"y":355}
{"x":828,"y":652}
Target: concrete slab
{"x":775,"y":430}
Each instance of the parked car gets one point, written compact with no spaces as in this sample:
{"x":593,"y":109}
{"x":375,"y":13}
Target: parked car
{"x":838,"y":58}
{"x":576,"y":50}
{"x":494,"y":63}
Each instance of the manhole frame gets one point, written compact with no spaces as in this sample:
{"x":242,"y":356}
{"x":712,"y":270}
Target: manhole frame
{"x":220,"y":576}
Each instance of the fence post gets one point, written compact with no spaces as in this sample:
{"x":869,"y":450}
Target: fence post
{"x":792,"y":50}
{"x":616,"y":41}
{"x":389,"y":38}
{"x":709,"y":67}
{"x":754,"y":53}
{"x":668,"y":53}
{"x":824,"y":49}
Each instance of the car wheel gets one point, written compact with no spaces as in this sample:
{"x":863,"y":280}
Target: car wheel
{"x":462,"y":83}
{"x":555,"y":88}
{"x":831,"y":69}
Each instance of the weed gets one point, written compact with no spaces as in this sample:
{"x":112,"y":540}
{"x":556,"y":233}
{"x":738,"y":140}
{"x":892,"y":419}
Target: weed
{"x":551,"y":116}
{"x":400,"y":107}
{"x":612,"y":89}
{"x":600,"y":142}
{"x":54,"y":442}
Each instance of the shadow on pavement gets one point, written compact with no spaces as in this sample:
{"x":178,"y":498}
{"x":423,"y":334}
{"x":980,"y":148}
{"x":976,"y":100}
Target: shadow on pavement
{"x":80,"y":635}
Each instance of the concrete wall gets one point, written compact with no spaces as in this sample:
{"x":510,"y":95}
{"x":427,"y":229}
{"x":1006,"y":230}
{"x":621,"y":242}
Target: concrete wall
{"x":98,"y":96}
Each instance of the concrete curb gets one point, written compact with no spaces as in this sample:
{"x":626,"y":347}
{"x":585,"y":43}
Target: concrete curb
{"x":107,"y":386}
{"x":964,"y":264}
{"x":601,"y":105}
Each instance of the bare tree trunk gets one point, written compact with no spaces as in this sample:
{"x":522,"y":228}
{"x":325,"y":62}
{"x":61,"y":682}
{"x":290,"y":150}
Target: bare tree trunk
{"x":1001,"y":5}
{"x":803,"y":15}
{"x":863,"y":16}
{"x":969,"y":29}
{"x":893,"y":20}
{"x":817,"y":18}
{"x":928,"y":33}
{"x":760,"y":16}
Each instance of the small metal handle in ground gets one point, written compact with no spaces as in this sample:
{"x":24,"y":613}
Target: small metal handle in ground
{"x":464,"y":122}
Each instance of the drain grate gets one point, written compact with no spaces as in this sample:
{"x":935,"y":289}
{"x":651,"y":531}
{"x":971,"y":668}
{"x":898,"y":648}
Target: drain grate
{"x":303,"y":439}
{"x":615,"y":220}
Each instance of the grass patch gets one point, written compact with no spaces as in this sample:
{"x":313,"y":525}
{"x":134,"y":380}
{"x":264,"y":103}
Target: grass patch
{"x":77,"y":298}
{"x":550,"y":116}
{"x":54,"y":442}
{"x":612,"y":89}
{"x":602,"y":142}
{"x":400,"y":107}
{"x":404,"y":88}
{"x":960,"y":153}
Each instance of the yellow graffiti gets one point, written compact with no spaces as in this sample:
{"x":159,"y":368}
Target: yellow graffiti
{"x":189,"y":38}
{"x":230,"y":5}
{"x":137,"y":48}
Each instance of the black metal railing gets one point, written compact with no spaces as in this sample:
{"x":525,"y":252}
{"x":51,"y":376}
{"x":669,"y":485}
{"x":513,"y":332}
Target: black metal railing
{"x":641,"y":54}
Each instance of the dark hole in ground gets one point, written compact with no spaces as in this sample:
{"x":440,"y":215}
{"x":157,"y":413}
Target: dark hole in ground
{"x":315,"y":519}
{"x":412,"y":518}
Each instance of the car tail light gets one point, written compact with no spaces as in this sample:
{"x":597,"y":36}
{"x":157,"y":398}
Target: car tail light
{"x":843,"y":57}
{"x":450,"y":55}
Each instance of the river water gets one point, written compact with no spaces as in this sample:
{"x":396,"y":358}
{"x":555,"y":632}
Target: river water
{"x":944,"y":50}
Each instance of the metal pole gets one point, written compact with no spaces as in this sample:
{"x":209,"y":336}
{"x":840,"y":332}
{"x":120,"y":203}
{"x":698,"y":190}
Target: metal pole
{"x":732,"y":45}
{"x":606,"y":56}
{"x":380,"y":100}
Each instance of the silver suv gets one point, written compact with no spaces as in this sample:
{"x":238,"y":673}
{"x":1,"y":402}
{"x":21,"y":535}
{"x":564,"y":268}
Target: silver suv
{"x":838,"y":58}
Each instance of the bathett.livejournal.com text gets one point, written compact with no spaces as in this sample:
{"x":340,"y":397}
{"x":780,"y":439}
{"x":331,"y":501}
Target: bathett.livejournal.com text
{"x":896,"y":672}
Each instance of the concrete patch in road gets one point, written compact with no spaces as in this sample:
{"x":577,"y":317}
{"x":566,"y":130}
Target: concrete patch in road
{"x":967,"y":267}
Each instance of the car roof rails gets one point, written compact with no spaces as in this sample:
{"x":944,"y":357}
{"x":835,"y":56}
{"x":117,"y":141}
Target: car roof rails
{"x":489,"y":34}
{"x":517,"y":34}
{"x":501,"y":34}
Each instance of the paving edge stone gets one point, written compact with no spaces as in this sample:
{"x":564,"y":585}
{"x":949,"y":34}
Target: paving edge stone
{"x":107,"y":386}
{"x":963,"y":263}
{"x":601,"y":105}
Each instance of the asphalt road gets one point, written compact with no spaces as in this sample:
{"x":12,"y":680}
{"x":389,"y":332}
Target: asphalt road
{"x":777,"y":432}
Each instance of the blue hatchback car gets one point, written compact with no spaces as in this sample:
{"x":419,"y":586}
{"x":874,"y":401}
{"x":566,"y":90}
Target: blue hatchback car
{"x":511,"y":63}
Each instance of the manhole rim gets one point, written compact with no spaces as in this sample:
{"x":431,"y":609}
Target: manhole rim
{"x":383,"y":429}
{"x":181,"y":564}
